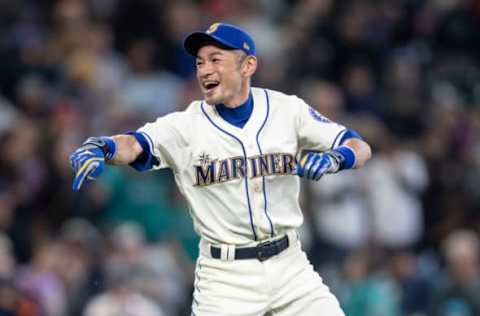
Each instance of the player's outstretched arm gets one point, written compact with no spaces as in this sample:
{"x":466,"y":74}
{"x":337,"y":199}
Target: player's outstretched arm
{"x":88,"y":161}
{"x":128,"y":149}
{"x":352,"y":154}
{"x":361,"y":150}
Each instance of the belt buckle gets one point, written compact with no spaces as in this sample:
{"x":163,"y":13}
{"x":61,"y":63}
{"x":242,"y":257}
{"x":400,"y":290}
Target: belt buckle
{"x":262,"y":254}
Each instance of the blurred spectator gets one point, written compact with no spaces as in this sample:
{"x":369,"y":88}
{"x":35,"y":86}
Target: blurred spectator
{"x":365,"y":289}
{"x":380,"y":203}
{"x":79,"y":266}
{"x":447,"y":145}
{"x":415,"y":284}
{"x":32,"y":96}
{"x":309,"y":41}
{"x":455,"y":34}
{"x":395,"y":180}
{"x":148,"y":199}
{"x":8,"y":115}
{"x":352,"y":38}
{"x":326,"y":97}
{"x":39,"y":279}
{"x":121,"y":299}
{"x":360,"y":89}
{"x":96,"y":66}
{"x":457,"y":293}
{"x":152,"y":269}
{"x":14,"y":302}
{"x":181,"y":17}
{"x":268,"y":39}
{"x":147,"y":90}
{"x":402,"y":78}
{"x":23,"y":177}
{"x":7,"y":258}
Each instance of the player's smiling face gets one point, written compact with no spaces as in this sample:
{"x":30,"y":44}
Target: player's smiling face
{"x":224,"y":75}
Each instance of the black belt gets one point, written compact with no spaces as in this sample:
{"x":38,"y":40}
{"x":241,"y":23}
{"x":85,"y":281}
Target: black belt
{"x":262,"y":251}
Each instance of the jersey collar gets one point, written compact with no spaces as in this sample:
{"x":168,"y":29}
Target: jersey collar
{"x":255,"y":122}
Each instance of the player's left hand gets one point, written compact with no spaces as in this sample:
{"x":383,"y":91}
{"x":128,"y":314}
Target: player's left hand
{"x":314,"y":165}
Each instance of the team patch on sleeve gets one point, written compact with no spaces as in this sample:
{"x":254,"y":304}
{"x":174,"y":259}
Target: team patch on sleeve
{"x":317,"y":116}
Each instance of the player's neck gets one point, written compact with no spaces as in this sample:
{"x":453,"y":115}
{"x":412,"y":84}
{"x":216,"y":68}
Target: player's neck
{"x":240,"y":98}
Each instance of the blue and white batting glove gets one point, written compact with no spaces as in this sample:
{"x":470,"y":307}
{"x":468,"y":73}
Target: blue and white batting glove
{"x":88,"y":161}
{"x":314,"y":165}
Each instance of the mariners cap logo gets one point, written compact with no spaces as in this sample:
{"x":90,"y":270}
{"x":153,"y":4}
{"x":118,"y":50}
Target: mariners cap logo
{"x":212,"y":28}
{"x":246,"y":46}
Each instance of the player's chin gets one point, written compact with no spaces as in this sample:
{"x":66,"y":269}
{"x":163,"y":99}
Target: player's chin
{"x":212,"y":98}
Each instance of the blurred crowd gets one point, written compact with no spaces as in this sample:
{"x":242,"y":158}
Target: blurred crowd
{"x":399,"y":237}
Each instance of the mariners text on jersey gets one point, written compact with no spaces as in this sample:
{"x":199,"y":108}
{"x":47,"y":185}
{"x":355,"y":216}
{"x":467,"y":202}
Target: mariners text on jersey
{"x":218,"y":171}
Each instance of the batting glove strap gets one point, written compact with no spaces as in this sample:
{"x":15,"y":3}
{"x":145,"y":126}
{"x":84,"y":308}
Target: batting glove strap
{"x":106,"y":144}
{"x":345,"y":156}
{"x":336,"y":160}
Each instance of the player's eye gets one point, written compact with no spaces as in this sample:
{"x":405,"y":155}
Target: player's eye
{"x":199,"y":63}
{"x":215,"y":60}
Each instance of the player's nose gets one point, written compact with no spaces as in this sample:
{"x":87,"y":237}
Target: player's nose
{"x":205,"y":71}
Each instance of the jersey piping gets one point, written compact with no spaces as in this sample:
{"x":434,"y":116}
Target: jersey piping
{"x":338,"y":138}
{"x":272,"y":232}
{"x":149,"y":140}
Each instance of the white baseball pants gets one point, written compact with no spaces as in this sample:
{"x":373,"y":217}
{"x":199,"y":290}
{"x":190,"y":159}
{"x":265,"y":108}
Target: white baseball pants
{"x":283,"y":285}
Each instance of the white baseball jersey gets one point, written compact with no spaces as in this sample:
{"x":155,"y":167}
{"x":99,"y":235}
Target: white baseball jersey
{"x":239,"y":181}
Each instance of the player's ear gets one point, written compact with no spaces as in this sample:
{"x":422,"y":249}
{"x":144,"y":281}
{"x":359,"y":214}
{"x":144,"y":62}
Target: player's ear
{"x":249,"y":66}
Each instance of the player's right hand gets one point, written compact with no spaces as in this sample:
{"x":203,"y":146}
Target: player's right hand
{"x":88,"y":161}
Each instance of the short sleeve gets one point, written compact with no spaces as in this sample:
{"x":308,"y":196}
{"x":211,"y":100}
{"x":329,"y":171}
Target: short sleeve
{"x":315,"y":131}
{"x":167,"y":140}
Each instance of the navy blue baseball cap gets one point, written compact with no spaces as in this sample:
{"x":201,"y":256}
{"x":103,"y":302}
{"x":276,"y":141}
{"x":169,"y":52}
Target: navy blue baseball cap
{"x":223,"y":34}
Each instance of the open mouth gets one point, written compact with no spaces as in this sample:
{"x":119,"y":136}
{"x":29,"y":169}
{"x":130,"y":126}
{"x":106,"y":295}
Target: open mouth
{"x":210,"y":85}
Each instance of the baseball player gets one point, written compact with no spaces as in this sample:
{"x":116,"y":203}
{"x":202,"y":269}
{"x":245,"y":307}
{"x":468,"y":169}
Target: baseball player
{"x":235,"y":157}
